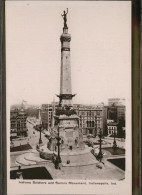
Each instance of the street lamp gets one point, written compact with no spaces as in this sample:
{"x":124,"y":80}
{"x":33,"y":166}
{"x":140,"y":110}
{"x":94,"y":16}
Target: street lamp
{"x":95,"y":125}
{"x":100,"y":154}
{"x":114,"y":142}
{"x":40,"y":140}
{"x":19,"y":174}
{"x":58,"y":159}
{"x":40,"y":126}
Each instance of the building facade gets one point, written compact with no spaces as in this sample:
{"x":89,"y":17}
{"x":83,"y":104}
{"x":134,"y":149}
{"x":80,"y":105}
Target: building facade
{"x":121,"y":110}
{"x":18,"y":123}
{"x":90,"y":119}
{"x":47,"y":115}
{"x":116,"y":114}
{"x":112,"y":127}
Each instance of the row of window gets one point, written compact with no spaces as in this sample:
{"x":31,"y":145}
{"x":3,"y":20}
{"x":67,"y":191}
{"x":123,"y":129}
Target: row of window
{"x":91,"y":119}
{"x":89,"y":124}
{"x":90,"y":113}
{"x":109,"y":127}
{"x":111,"y":132}
{"x":18,"y":125}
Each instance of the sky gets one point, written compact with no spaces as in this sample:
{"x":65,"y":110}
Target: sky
{"x":100,"y":50}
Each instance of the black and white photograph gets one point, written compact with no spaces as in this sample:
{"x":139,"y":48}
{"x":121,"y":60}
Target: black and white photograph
{"x":68,"y":82}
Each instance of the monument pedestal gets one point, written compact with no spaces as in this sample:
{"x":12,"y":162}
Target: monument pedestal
{"x":70,"y":134}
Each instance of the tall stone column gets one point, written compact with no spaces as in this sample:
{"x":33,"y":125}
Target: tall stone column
{"x":65,"y":77}
{"x":66,"y":116}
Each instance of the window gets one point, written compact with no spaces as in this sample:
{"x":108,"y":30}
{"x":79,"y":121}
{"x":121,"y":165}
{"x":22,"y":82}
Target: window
{"x":93,"y":124}
{"x":98,"y":113}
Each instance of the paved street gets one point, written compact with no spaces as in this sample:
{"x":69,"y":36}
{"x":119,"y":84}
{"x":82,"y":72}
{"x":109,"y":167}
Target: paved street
{"x":32,"y":139}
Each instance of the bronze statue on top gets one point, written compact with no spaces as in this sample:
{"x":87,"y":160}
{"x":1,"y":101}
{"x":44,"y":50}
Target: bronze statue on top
{"x":65,"y":18}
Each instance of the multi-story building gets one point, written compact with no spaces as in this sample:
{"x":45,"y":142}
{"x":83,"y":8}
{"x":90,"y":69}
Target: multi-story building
{"x":90,"y":119}
{"x":18,"y":122}
{"x":112,"y":127}
{"x":121,"y":112}
{"x":104,"y":119}
{"x":47,"y":115}
{"x":116,"y":112}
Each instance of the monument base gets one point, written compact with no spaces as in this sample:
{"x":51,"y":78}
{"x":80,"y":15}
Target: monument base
{"x":75,"y":157}
{"x":71,"y":136}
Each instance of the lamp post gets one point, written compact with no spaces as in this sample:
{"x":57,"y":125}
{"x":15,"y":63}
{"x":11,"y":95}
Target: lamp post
{"x":40,"y":126}
{"x":40,"y":140}
{"x":95,"y":125}
{"x":58,"y":159}
{"x":19,"y":174}
{"x":114,"y":142}
{"x":100,"y":154}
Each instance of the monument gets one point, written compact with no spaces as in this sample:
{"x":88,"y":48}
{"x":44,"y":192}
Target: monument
{"x":66,"y":117}
{"x":65,"y":146}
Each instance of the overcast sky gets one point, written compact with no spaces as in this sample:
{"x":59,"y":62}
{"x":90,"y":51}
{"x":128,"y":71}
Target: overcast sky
{"x":100,"y":50}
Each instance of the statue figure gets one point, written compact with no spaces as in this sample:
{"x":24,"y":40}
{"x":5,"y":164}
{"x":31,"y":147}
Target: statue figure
{"x":65,"y":18}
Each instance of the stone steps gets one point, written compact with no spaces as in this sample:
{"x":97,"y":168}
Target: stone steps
{"x":35,"y":158}
{"x":21,"y":160}
{"x":30,"y":159}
